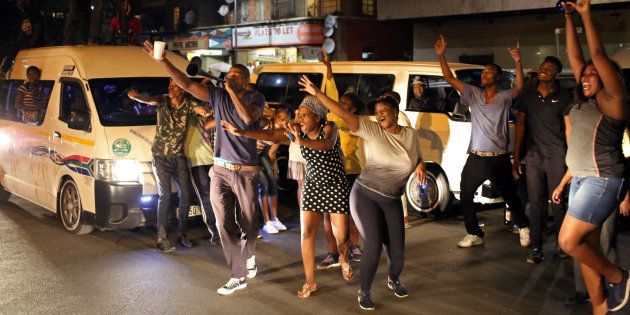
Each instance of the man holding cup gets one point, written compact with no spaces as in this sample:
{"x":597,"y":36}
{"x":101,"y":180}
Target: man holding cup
{"x":234,"y":184}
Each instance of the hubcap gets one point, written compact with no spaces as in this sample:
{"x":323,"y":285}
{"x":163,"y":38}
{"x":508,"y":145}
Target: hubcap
{"x":425,"y":196}
{"x":70,"y":205}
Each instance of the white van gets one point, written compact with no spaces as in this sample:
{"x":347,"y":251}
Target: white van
{"x":444,"y":126}
{"x":88,"y":156}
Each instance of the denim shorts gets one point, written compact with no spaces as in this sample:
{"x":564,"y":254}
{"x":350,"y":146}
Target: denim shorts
{"x":593,"y":199}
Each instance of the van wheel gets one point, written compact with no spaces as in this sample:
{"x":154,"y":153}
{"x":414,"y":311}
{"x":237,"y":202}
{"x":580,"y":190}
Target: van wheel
{"x":435,"y":196}
{"x":4,"y":195}
{"x":70,"y":209}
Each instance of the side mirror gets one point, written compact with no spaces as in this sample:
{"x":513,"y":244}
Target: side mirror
{"x":79,"y":120}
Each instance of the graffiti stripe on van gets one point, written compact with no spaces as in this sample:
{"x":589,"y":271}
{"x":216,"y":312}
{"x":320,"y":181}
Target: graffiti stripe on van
{"x":44,"y":133}
{"x":76,"y":163}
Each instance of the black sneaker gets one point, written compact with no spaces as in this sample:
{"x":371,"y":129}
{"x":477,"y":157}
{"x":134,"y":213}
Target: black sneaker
{"x":580,"y":298}
{"x":618,"y":293}
{"x":331,"y":261}
{"x":184,"y":241}
{"x":365,"y":300}
{"x":397,"y":287}
{"x":535,"y":256}
{"x":163,"y":246}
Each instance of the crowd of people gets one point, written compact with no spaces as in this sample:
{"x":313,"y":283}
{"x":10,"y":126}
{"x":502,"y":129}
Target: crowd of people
{"x":220,"y":143}
{"x":573,"y":139}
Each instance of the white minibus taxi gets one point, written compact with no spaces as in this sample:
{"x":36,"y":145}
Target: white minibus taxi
{"x":443,"y":125}
{"x":87,"y":157}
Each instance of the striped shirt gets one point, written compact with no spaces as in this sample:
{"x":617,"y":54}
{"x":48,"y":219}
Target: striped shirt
{"x":33,"y":96}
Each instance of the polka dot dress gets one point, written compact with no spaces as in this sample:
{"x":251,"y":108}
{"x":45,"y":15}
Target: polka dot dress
{"x":325,"y":186}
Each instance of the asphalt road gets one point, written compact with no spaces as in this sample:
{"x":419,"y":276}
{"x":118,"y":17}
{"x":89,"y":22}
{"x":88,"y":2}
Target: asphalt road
{"x":47,"y":270}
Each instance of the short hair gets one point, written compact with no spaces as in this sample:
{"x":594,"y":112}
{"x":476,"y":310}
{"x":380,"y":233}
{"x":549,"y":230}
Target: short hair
{"x":499,"y":70}
{"x":387,"y":100}
{"x":556,"y":62}
{"x":242,"y":69}
{"x":34,"y":68}
{"x":393,"y":94}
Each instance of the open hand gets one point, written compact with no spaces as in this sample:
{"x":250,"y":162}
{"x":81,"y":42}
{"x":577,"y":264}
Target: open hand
{"x":624,"y":208}
{"x":230,"y":128}
{"x":132,"y":94}
{"x":517,"y":169}
{"x":440,"y":45}
{"x":308,"y":86}
{"x":515,"y":52}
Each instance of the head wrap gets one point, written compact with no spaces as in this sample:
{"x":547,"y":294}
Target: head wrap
{"x":315,"y":106}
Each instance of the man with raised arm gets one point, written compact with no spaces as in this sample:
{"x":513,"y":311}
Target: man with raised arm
{"x":488,"y":148}
{"x":234,"y":184}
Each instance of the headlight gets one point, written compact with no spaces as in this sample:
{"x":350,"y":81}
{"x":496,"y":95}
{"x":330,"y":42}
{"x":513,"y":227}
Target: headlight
{"x":117,"y":170}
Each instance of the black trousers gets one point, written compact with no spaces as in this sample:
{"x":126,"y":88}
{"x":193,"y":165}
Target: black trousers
{"x":165,"y":169}
{"x":498,"y":170}
{"x":543,"y":176}
{"x":201,"y":187}
{"x":380,"y":222}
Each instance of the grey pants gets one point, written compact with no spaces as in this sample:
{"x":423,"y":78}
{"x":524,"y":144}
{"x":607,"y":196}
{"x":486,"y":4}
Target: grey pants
{"x":380,"y":223}
{"x":234,"y":197}
{"x":609,"y":249}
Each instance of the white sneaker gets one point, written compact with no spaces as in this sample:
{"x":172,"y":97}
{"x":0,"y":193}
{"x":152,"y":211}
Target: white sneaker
{"x":269,"y":228}
{"x":470,"y":240}
{"x":278,"y":225}
{"x":252,"y":269}
{"x":524,"y":236}
{"x":232,"y":285}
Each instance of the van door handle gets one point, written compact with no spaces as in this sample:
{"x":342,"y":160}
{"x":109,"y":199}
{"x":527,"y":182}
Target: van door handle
{"x":56,"y":134}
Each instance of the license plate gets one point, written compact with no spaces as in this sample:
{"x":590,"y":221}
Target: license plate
{"x":194,"y":211}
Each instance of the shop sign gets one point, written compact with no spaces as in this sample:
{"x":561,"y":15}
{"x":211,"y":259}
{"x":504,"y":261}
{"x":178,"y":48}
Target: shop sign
{"x":189,"y":43}
{"x":280,"y":35}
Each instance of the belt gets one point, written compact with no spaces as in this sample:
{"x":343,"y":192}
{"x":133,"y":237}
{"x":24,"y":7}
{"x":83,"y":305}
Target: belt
{"x":486,"y":153}
{"x":237,"y":167}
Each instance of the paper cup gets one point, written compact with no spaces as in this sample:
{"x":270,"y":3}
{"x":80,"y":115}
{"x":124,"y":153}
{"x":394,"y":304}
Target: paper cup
{"x":158,"y":49}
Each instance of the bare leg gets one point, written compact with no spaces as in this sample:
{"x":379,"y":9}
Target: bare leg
{"x":309,"y":221}
{"x":299,"y":192}
{"x":330,"y":238}
{"x":264,"y":207}
{"x":354,"y":233}
{"x":593,"y":279}
{"x":274,"y":206}
{"x":340,"y":230}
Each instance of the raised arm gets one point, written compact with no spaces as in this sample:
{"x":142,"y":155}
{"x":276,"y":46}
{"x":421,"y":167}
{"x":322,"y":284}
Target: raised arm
{"x":515,"y":52}
{"x":350,"y":119}
{"x":574,"y":50}
{"x":143,"y":98}
{"x":264,"y":135}
{"x":613,"y":86}
{"x":196,"y":89}
{"x":440,"y":47}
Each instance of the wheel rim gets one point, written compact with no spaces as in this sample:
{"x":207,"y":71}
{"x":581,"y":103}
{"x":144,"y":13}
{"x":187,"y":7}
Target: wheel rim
{"x":424,"y":198}
{"x":70,"y":205}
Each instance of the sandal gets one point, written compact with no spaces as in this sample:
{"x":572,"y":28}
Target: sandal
{"x":307,"y":290}
{"x":346,"y":271}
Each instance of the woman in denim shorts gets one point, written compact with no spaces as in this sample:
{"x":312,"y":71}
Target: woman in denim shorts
{"x":596,"y":169}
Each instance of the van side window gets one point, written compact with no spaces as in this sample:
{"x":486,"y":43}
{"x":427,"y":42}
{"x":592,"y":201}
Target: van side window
{"x":72,"y":100}
{"x":24,"y":102}
{"x":283,"y":88}
{"x":367,"y":86}
{"x":430,"y":94}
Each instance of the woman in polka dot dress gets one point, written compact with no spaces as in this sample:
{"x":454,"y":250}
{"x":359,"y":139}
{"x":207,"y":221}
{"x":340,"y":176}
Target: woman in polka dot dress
{"x":325,"y":187}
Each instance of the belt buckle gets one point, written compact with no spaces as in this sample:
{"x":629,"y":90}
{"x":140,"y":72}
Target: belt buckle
{"x":236,"y":167}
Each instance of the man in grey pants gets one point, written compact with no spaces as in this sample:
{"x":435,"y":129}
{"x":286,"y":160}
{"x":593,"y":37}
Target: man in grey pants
{"x":234,"y":183}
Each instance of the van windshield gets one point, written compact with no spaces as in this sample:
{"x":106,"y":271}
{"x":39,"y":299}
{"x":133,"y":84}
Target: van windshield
{"x":116,"y":109}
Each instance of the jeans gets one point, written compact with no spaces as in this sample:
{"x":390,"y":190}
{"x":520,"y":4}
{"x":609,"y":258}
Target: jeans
{"x":234,"y":196}
{"x":379,"y":220}
{"x":201,"y":187}
{"x":498,"y":170}
{"x":543,"y":176}
{"x":166,"y":168}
